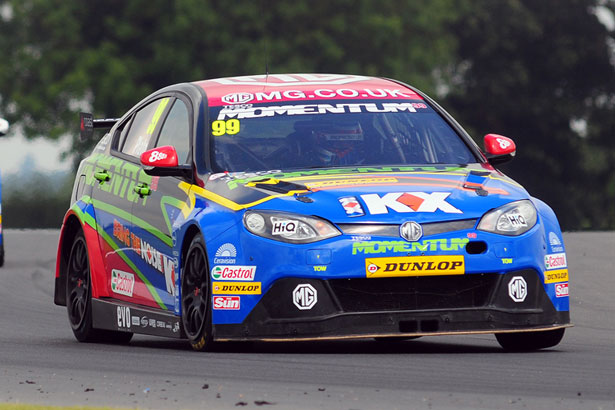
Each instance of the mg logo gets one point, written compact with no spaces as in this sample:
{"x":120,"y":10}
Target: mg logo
{"x":517,"y":289}
{"x":411,"y":231}
{"x":237,"y":98}
{"x":305,"y":296}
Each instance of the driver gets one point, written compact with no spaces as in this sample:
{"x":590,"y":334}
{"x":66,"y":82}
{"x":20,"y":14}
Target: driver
{"x":337,"y":143}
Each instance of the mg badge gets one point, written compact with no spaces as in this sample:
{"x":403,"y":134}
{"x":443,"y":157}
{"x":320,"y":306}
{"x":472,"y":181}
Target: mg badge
{"x":411,"y":231}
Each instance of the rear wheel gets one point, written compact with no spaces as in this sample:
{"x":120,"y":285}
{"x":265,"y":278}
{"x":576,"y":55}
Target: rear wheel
{"x":526,"y":341}
{"x":196,"y":310}
{"x":79,"y":298}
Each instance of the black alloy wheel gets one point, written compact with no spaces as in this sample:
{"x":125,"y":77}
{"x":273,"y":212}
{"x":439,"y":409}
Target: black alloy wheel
{"x":79,"y":298}
{"x":196,"y":310}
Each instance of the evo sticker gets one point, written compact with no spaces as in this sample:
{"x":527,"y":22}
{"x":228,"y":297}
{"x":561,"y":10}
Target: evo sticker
{"x":415,"y":266}
{"x":236,"y":288}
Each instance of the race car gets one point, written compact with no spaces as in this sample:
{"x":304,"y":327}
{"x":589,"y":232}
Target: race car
{"x":305,"y":207}
{"x":4,"y":128}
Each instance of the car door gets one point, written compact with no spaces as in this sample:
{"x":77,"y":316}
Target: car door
{"x":113,"y":197}
{"x":153,"y":220}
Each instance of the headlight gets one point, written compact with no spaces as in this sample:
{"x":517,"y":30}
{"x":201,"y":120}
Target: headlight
{"x":511,"y":219}
{"x":287,"y":227}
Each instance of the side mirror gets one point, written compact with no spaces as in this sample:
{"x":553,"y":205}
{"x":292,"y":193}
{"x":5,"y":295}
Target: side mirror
{"x":499,"y":149}
{"x":162,"y":162}
{"x":4,"y":126}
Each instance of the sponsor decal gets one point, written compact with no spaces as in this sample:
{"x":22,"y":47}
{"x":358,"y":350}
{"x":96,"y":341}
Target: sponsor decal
{"x":157,"y":156}
{"x":472,"y":235}
{"x":320,"y":268}
{"x":350,"y":182}
{"x":284,"y":227}
{"x":507,"y":261}
{"x":405,"y":202}
{"x":555,"y":242}
{"x":176,"y":327}
{"x":233,"y":272}
{"x":152,"y":323}
{"x":411,"y":231}
{"x":561,"y":290}
{"x":228,"y":112}
{"x":227,"y":302}
{"x":144,"y":321}
{"x":352,"y":206}
{"x":360,"y":238}
{"x":517,"y":289}
{"x":160,"y":324}
{"x":135,"y":321}
{"x":122,"y":283}
{"x":124,"y":319}
{"x":237,"y":98}
{"x":415,"y":266}
{"x":555,"y":261}
{"x":305,"y":296}
{"x":516,"y":220}
{"x":156,"y":259}
{"x":554,"y":276}
{"x":226,"y":254}
{"x":236,"y":288}
{"x":376,"y":247}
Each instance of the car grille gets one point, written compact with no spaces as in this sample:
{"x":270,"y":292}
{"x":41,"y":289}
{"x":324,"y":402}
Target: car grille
{"x":413,"y":293}
{"x":392,"y":230}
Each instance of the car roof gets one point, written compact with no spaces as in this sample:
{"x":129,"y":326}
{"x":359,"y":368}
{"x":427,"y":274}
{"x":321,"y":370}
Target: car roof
{"x":294,"y":87}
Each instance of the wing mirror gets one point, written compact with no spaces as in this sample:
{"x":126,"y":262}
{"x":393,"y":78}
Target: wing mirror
{"x":4,"y":126}
{"x":162,"y":161}
{"x":499,"y":149}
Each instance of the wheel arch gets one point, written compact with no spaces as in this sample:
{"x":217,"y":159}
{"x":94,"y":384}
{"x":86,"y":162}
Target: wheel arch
{"x":72,"y":225}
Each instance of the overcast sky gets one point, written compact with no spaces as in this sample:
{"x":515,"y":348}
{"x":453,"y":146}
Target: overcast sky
{"x":15,"y":150}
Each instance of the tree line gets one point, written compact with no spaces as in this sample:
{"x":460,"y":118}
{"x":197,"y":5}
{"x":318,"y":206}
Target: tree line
{"x":541,"y":72}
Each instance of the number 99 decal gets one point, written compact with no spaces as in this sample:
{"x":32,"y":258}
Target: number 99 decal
{"x":230,"y":127}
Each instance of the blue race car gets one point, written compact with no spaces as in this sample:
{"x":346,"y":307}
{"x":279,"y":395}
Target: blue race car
{"x":305,"y":207}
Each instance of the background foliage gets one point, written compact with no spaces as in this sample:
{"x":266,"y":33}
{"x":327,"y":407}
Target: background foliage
{"x":542,"y":72}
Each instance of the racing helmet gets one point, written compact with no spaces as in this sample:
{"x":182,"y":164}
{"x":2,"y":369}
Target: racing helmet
{"x":339,"y":143}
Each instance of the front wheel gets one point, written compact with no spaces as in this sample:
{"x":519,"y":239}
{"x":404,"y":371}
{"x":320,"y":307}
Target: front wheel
{"x":527,"y":341}
{"x":79,"y":298}
{"x":196,"y":310}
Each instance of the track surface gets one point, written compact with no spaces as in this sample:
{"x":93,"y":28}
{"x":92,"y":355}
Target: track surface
{"x":40,"y":361}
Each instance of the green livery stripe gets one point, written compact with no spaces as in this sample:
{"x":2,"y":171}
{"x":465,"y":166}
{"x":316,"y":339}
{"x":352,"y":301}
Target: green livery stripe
{"x":169,"y":200}
{"x":133,"y":219}
{"x":89,"y":220}
{"x":122,"y":255}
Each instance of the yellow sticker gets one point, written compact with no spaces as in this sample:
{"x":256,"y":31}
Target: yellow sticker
{"x":220,"y":127}
{"x":554,"y":276}
{"x":415,"y":266}
{"x":236,"y":288}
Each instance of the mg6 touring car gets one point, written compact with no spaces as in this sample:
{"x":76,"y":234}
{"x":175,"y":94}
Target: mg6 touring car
{"x":305,"y":207}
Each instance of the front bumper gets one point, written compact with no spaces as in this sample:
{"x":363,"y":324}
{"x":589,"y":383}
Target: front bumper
{"x":408,"y":306}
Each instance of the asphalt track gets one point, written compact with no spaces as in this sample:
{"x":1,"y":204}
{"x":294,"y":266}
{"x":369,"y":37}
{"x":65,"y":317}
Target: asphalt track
{"x":41,"y":362}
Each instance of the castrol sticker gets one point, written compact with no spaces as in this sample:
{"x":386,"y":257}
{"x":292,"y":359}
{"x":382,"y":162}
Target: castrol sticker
{"x":233,"y":272}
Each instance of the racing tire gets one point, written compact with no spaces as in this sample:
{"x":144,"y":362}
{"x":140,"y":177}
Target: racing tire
{"x":527,"y":341}
{"x":79,"y":298}
{"x":195,"y":296}
{"x":1,"y":255}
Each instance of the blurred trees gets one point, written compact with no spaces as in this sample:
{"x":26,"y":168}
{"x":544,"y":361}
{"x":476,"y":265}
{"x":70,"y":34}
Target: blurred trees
{"x":543,"y":73}
{"x":524,"y":68}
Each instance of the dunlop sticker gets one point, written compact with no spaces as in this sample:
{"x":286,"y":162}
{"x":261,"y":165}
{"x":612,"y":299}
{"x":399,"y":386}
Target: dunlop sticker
{"x":236,"y":288}
{"x":554,"y":276}
{"x":415,"y":266}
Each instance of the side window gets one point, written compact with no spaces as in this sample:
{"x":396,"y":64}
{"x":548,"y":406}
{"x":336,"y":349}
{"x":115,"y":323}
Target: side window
{"x":176,"y":131}
{"x":143,"y":126}
{"x":122,"y":131}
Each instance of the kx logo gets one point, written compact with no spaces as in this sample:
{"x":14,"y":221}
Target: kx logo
{"x":404,"y":202}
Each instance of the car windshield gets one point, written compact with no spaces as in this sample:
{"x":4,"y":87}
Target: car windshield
{"x":338,"y":133}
